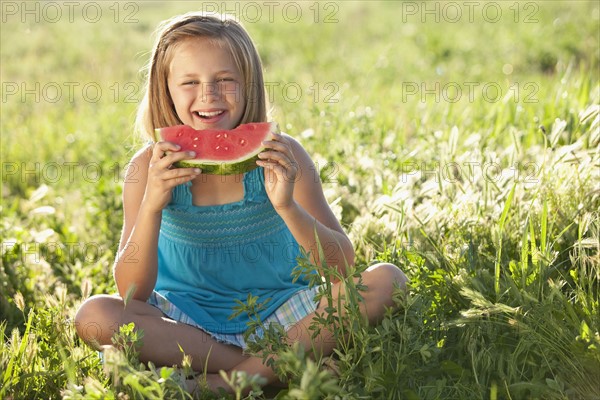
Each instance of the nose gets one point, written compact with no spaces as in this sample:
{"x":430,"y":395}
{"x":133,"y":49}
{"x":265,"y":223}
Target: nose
{"x":210,"y":92}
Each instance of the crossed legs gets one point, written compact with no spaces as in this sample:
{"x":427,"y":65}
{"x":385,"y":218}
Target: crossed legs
{"x":99,"y":318}
{"x":380,"y":280}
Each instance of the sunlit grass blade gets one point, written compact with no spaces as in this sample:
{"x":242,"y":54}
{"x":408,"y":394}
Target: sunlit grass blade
{"x":501,"y":223}
{"x":544,"y":227}
{"x":524,"y":259}
{"x":8,"y":375}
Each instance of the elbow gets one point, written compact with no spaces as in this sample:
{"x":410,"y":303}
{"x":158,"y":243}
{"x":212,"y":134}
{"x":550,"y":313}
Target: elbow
{"x":342,"y":256}
{"x":129,"y":289}
{"x":347,"y":251}
{"x":132,"y":291}
{"x":351,"y":258}
{"x":350,"y":255}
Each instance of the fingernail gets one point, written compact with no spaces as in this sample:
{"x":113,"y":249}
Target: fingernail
{"x":177,"y":147}
{"x":192,"y":153}
{"x":197,"y":170}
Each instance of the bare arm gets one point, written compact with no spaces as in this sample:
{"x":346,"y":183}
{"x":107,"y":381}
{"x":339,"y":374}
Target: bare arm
{"x":146,"y":191}
{"x":306,"y":210}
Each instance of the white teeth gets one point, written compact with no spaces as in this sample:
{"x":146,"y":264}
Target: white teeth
{"x":208,"y":114}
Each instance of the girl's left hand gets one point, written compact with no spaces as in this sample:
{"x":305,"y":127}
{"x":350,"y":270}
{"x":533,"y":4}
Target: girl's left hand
{"x":281,"y":171}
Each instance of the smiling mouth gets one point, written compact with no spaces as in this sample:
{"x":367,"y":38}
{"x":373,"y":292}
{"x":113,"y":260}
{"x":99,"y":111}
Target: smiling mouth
{"x":208,"y":114}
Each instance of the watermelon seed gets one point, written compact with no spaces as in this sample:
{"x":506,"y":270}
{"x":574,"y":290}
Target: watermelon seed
{"x":196,"y":138}
{"x":242,"y":142}
{"x":180,"y":134}
{"x":225,"y":135}
{"x":226,"y":148}
{"x":218,"y":136}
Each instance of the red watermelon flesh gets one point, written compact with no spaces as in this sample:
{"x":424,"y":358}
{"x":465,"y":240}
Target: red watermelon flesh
{"x":219,"y":151}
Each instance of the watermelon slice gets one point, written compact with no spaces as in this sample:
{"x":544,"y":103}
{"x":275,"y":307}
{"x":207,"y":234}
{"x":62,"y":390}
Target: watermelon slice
{"x":218,"y":151}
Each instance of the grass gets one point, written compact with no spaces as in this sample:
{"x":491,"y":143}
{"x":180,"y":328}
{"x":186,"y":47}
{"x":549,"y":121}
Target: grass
{"x":464,"y":152}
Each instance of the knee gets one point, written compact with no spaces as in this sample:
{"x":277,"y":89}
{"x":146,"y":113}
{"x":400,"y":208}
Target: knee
{"x":97,"y":319}
{"x":382,"y":280}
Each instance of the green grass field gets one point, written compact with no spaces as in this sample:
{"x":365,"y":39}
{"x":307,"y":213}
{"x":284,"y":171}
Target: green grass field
{"x":458,"y":140}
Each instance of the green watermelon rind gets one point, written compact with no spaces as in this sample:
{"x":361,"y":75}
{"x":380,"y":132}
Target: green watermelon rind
{"x":222,"y":167}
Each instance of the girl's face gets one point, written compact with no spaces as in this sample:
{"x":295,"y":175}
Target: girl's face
{"x":205,"y":85}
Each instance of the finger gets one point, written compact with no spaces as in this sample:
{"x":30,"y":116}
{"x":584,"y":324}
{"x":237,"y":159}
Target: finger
{"x":274,"y":156}
{"x":277,"y":145}
{"x":269,"y":165}
{"x":168,"y":185}
{"x":177,"y":173}
{"x":266,"y":163}
{"x":160,"y":148}
{"x":277,"y":159}
{"x":290,"y":167}
{"x":168,"y":160}
{"x":283,"y":173}
{"x":278,"y":137}
{"x":170,"y":178}
{"x":179,"y":156}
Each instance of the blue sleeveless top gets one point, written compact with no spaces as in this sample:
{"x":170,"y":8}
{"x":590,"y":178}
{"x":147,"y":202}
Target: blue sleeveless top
{"x":211,"y":256}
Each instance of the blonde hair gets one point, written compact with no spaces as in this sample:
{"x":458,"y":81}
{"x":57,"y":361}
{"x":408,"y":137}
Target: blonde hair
{"x":157,"y":110}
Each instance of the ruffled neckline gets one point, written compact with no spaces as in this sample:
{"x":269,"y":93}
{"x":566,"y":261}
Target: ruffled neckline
{"x":254,"y":192}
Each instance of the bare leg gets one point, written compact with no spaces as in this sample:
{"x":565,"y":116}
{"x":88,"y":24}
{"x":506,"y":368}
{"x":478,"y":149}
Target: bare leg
{"x":99,"y":318}
{"x":381,"y":279}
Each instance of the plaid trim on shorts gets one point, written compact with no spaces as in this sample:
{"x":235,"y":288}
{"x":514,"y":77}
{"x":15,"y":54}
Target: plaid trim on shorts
{"x":301,"y":304}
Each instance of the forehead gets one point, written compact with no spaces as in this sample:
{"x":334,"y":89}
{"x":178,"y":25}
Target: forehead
{"x":204,"y":52}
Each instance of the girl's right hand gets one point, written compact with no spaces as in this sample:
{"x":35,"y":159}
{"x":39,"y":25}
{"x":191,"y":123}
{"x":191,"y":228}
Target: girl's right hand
{"x":162,"y":178}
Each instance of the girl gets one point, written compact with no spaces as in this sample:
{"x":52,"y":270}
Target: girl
{"x":192,"y":244}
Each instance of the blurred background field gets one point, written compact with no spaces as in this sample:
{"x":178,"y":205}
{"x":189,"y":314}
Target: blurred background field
{"x":458,"y":140}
